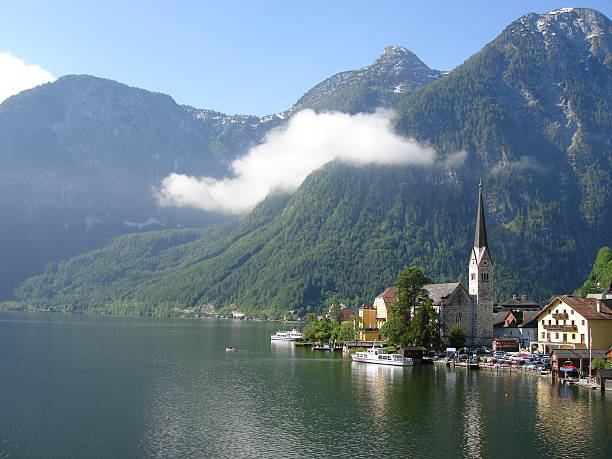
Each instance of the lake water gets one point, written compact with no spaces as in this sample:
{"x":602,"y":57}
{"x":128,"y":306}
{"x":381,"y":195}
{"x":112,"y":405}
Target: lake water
{"x":88,"y":386}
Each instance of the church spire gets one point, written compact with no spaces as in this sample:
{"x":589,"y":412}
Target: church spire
{"x":480,"y":237}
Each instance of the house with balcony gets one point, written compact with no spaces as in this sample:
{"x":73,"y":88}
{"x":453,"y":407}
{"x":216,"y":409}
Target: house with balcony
{"x":569,"y":322}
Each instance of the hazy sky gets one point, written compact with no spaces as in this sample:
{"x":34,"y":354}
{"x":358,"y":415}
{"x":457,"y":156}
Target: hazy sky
{"x":253,"y":57}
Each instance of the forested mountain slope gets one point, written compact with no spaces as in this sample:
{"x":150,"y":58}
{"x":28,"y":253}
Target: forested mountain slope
{"x":531,"y":112}
{"x":79,"y":157}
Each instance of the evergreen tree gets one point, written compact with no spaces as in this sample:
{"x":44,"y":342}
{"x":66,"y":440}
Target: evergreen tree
{"x":412,"y":299}
{"x":456,"y":337}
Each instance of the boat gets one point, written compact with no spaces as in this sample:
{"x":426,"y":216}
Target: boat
{"x":293,"y":335}
{"x":326,"y":347}
{"x":230,"y":349}
{"x":382,"y":357}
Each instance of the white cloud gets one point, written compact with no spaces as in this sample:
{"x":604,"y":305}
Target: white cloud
{"x":17,"y":76}
{"x":290,"y":153}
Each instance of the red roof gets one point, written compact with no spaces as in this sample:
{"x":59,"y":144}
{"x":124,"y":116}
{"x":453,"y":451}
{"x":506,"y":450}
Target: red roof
{"x":586,"y":307}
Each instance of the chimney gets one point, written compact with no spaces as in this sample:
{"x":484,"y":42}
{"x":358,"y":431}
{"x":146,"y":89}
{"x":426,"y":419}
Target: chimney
{"x":599,"y":305}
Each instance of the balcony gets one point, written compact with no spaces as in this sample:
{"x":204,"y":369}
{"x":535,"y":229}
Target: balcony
{"x":560,"y":316}
{"x":559,"y":327}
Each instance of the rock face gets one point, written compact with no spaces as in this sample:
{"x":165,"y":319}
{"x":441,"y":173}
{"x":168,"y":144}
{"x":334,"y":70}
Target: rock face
{"x":395,"y":73}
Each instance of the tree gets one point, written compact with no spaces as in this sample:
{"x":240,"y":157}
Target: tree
{"x":456,"y":336}
{"x":335,"y":314}
{"x":311,"y":318}
{"x":412,"y":298}
{"x":425,"y":326}
{"x":599,"y":363}
{"x":347,"y":331}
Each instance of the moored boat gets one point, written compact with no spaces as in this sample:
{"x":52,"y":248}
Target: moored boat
{"x":293,"y":335}
{"x":230,"y":349}
{"x":382,"y":357}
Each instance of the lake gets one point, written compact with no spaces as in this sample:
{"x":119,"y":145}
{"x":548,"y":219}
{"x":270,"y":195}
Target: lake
{"x":92,"y":386}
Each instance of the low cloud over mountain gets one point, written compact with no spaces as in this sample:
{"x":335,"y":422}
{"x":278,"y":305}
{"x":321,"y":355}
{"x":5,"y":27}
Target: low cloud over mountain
{"x":290,"y":153}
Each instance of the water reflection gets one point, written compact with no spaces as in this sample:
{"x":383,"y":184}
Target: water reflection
{"x":563,"y":423}
{"x":473,"y":428}
{"x":374,"y":383}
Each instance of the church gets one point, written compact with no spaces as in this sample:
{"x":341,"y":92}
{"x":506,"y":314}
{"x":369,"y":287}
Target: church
{"x":472,"y":309}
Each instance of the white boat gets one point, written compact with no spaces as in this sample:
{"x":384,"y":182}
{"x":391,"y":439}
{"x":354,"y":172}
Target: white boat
{"x":382,"y":357}
{"x":293,"y":335}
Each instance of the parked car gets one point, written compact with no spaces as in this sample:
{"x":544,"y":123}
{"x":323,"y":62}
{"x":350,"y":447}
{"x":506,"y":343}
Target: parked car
{"x":499,"y":354}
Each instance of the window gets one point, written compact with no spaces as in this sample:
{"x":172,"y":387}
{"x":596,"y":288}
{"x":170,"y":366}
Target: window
{"x":582,"y":337}
{"x":583,"y":322}
{"x":564,"y":337}
{"x":571,"y":311}
{"x":543,"y":335}
{"x":549,"y":321}
{"x":573,"y":323}
{"x":458,"y":319}
{"x":556,"y":335}
{"x":547,"y":335}
{"x":573,"y":336}
{"x":473,"y":276}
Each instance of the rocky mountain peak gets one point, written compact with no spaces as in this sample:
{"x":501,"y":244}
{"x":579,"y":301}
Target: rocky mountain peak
{"x":397,"y":71}
{"x":585,"y":28}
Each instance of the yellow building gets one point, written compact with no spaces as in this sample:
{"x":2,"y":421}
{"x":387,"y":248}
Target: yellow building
{"x":567,"y":322}
{"x":368,"y":326}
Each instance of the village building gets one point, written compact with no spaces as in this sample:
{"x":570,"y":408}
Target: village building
{"x":569,"y":322}
{"x":518,"y":324}
{"x":472,"y":310}
{"x":579,"y":358}
{"x":517,"y":303}
{"x":368,"y":324}
{"x":345,"y":312}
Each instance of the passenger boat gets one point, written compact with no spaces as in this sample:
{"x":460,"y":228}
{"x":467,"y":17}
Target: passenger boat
{"x":382,"y":357}
{"x":293,"y":335}
{"x":230,"y":349}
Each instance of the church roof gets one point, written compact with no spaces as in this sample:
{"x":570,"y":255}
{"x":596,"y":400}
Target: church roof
{"x":480,"y":237}
{"x":436,"y":292}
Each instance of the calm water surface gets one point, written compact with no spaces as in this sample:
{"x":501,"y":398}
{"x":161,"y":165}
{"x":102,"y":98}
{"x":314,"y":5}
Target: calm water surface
{"x":87,"y":386}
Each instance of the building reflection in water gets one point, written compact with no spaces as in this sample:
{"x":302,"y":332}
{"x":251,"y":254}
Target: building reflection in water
{"x":562,"y":422}
{"x":374,"y":383}
{"x":473,"y":428}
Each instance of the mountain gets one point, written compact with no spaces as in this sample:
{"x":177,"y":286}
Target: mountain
{"x":79,"y":159}
{"x":396,"y":73}
{"x":531,"y":114}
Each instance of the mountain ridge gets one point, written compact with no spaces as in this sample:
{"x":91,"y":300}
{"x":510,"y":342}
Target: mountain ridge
{"x":543,"y":153}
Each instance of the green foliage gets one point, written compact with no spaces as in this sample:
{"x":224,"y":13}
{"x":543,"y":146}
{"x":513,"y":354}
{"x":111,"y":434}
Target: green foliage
{"x":425,"y":326}
{"x":412,"y":319}
{"x":335,"y":312}
{"x":601,"y":364}
{"x":321,"y":331}
{"x":396,"y":331}
{"x":346,"y":332}
{"x":456,"y":337}
{"x":600,"y":277}
{"x":538,"y":138}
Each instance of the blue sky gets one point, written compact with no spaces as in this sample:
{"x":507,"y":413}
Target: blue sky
{"x":246,"y":56}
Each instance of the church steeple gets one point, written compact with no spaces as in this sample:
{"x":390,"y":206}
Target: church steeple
{"x":480,"y":237}
{"x":481,"y":280}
